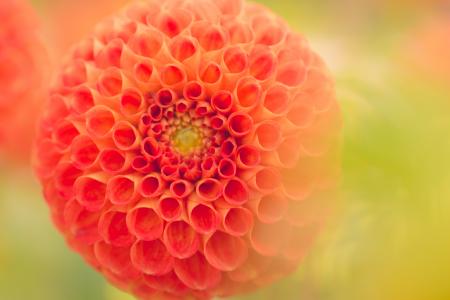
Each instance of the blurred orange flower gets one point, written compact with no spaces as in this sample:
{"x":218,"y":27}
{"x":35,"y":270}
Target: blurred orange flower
{"x":24,"y":71}
{"x":429,"y":48}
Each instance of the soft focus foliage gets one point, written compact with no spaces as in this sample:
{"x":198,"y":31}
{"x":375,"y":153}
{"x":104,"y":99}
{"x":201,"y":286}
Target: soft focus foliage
{"x":188,"y":148}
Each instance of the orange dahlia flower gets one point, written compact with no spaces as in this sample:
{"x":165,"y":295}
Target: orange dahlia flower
{"x":23,"y":73}
{"x":186,"y":148}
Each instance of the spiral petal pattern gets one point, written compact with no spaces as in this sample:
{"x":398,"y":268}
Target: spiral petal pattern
{"x":188,"y":147}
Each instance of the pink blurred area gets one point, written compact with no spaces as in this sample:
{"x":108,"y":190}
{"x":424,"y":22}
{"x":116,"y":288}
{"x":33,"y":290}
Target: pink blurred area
{"x":68,"y":21}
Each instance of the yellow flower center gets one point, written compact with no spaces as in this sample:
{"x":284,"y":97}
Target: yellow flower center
{"x":187,"y":140}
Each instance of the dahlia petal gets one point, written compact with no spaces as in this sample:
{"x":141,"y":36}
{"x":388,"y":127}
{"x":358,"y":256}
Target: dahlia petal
{"x":222,"y":102}
{"x":181,"y":188}
{"x":236,"y":221}
{"x":125,"y":136}
{"x":146,"y":42}
{"x":240,"y":124}
{"x":110,"y":55}
{"x":270,"y":208}
{"x":116,"y":259}
{"x":151,"y":257}
{"x":248,"y":157}
{"x":81,"y":223}
{"x":196,"y":273}
{"x":235,"y":191}
{"x":122,"y":189}
{"x":173,"y":76}
{"x":226,"y":168}
{"x":248,"y":93}
{"x":168,"y":282}
{"x":144,"y":221}
{"x":64,"y":134}
{"x":208,"y":189}
{"x":181,"y":240}
{"x":225,"y":252}
{"x":82,"y":100}
{"x":113,"y":229}
{"x":194,"y":91}
{"x":170,"y":208}
{"x":262,"y":63}
{"x":132,"y":103}
{"x":90,"y":192}
{"x":203,"y":217}
{"x":113,"y":161}
{"x":100,"y":121}
{"x":267,"y":136}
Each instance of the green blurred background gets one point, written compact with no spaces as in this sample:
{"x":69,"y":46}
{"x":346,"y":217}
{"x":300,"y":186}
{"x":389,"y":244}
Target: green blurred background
{"x":391,"y":237}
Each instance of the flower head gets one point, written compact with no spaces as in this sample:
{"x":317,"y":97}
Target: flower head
{"x":22,"y":77}
{"x":186,"y":148}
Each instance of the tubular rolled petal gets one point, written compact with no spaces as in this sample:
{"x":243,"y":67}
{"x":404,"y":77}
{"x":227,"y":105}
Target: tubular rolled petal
{"x":240,"y":124}
{"x":203,"y":218}
{"x":168,"y":282}
{"x":169,"y":208}
{"x":181,"y":188}
{"x":64,"y":134}
{"x":151,"y":257}
{"x":84,"y":152}
{"x":197,"y":273}
{"x":125,"y":136}
{"x":262,"y":63}
{"x":146,"y":43}
{"x":151,"y":186}
{"x":194,"y":91}
{"x":225,"y":252}
{"x":99,"y":121}
{"x":111,"y":82}
{"x":172,"y":76}
{"x":82,"y":100}
{"x":222,"y":102}
{"x":265,"y":180}
{"x":268,"y":135}
{"x":113,"y":229}
{"x":81,"y":224}
{"x":228,"y":148}
{"x":116,"y":259}
{"x":226,"y":168}
{"x":131,"y":102}
{"x":235,"y":59}
{"x":248,"y":93}
{"x":144,"y":222}
{"x":235,"y":191}
{"x":181,"y":240}
{"x":248,"y":157}
{"x":270,"y":208}
{"x":114,"y":161}
{"x":90,"y":192}
{"x":209,"y":189}
{"x":237,"y":221}
{"x":122,"y":190}
{"x":182,"y":48}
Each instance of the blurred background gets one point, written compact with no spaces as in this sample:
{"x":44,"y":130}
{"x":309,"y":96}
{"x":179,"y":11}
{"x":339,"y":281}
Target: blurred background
{"x":391,"y":236}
